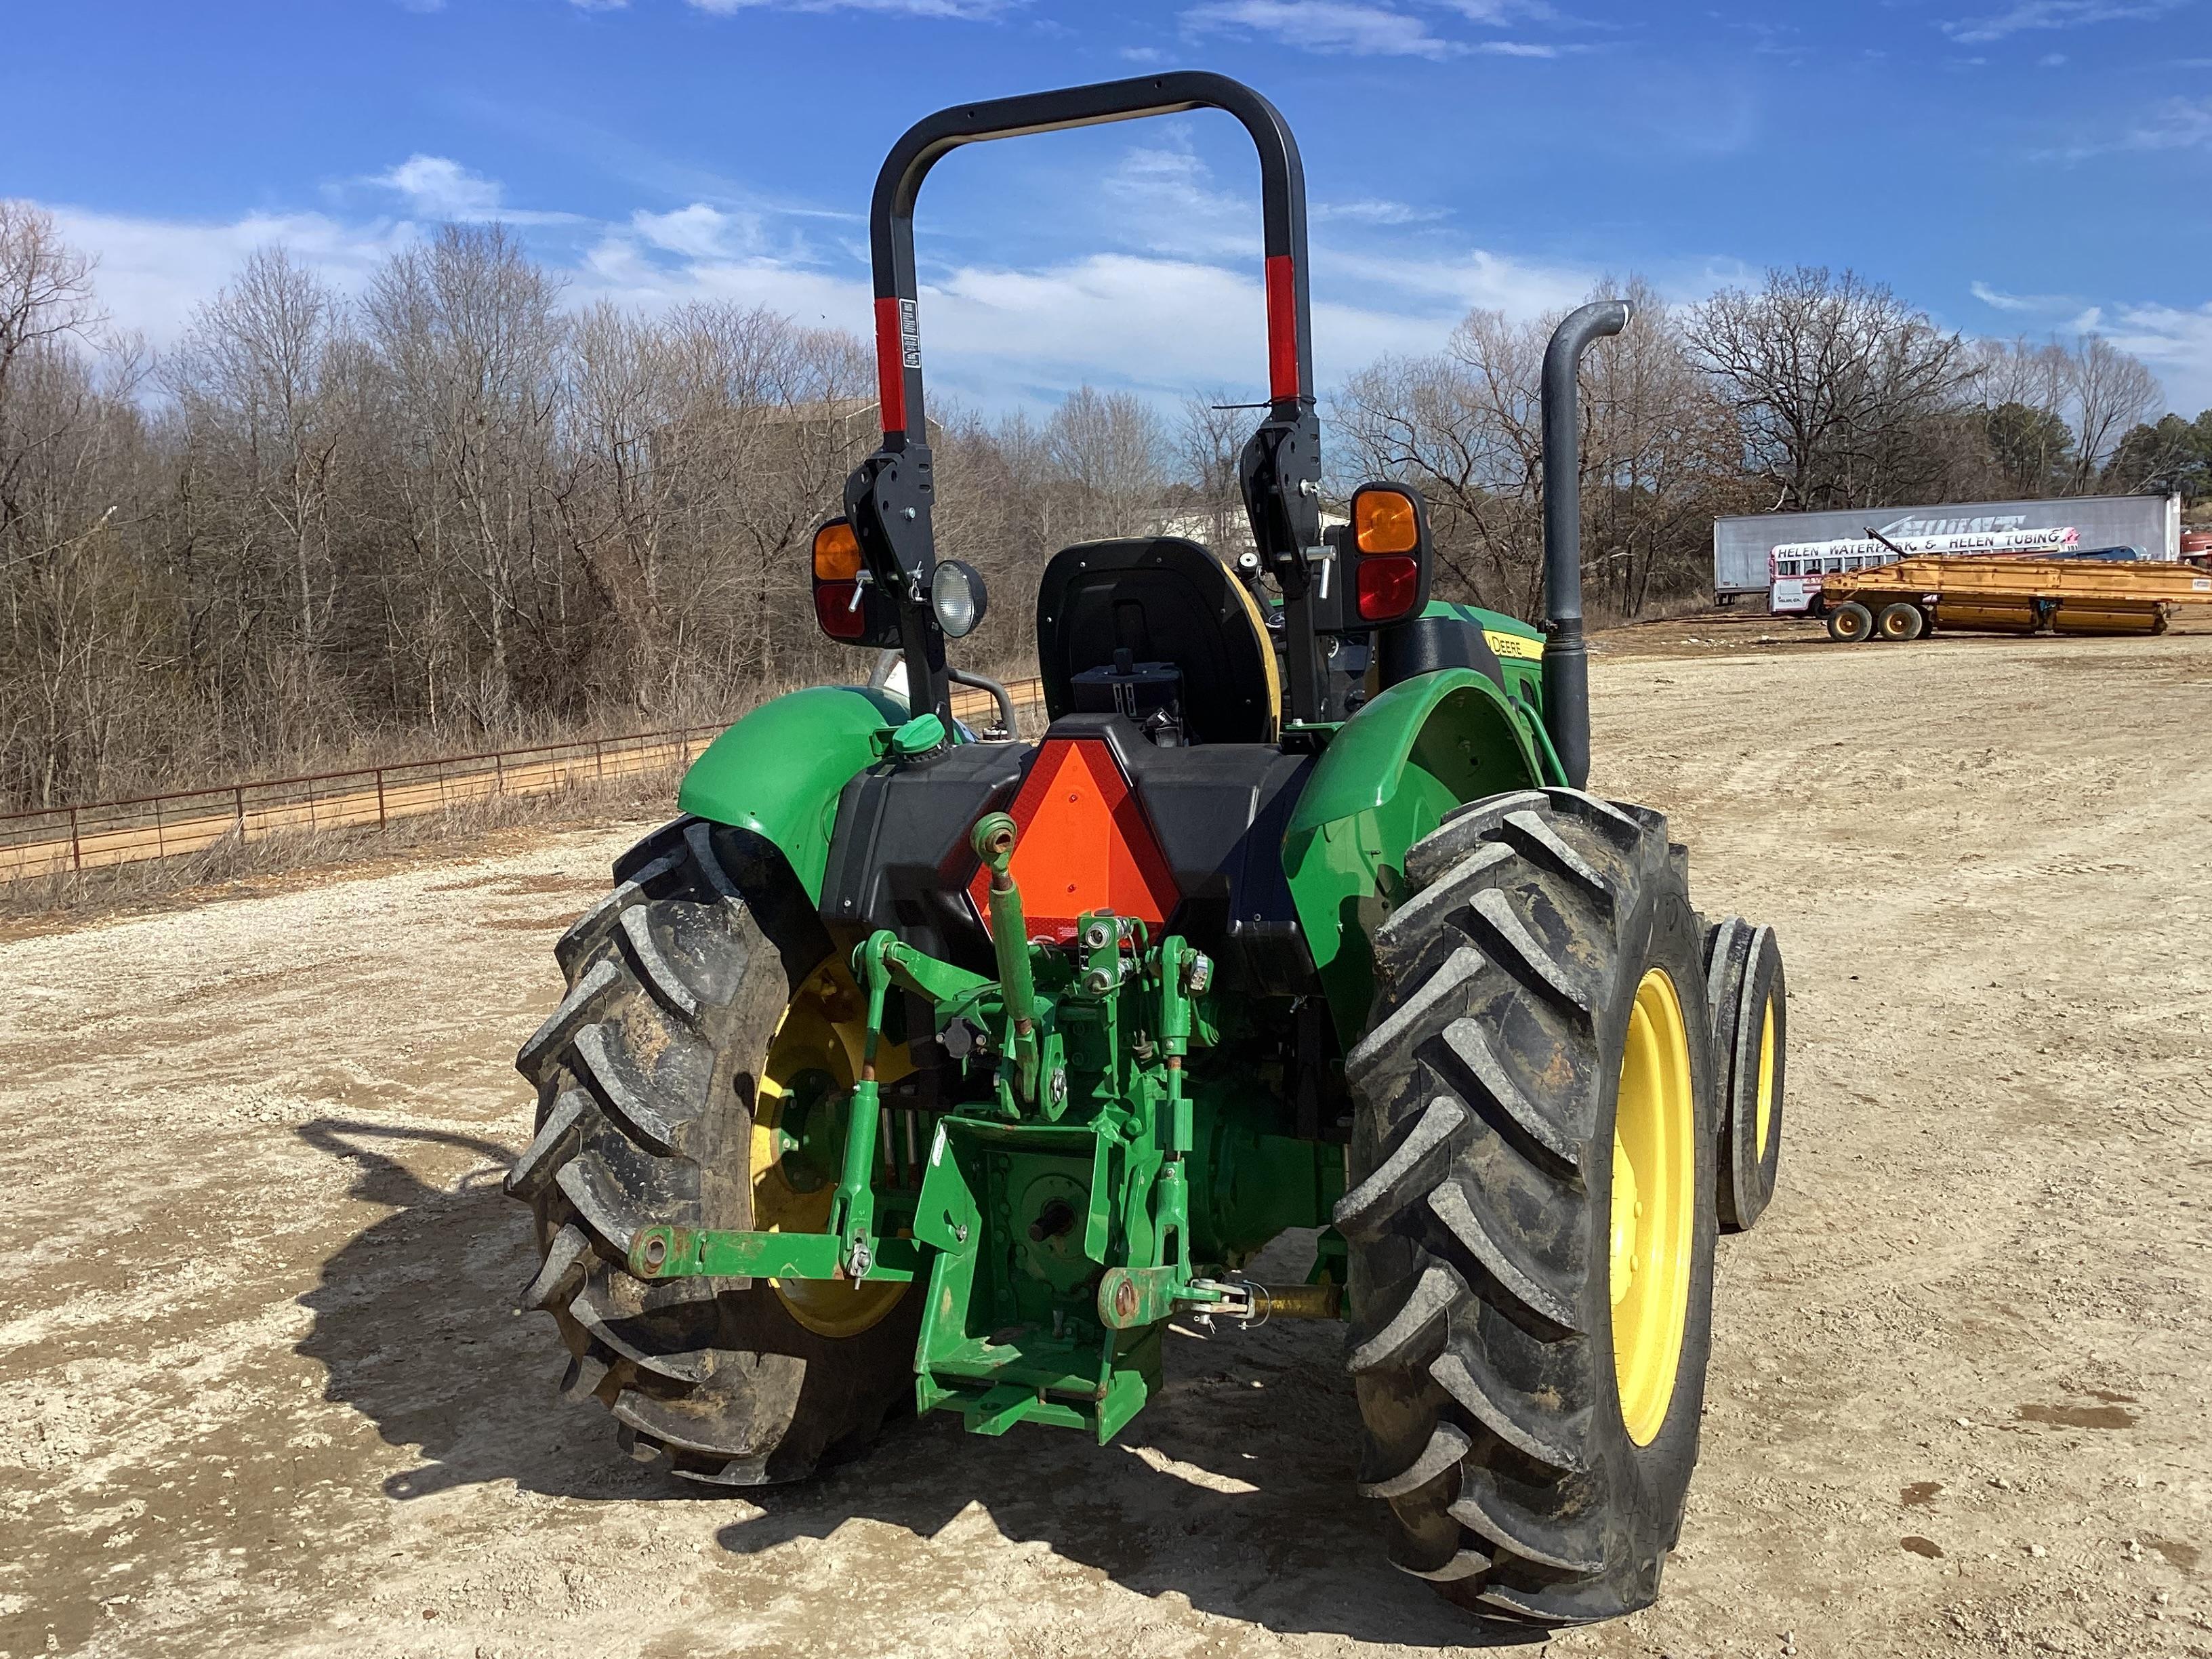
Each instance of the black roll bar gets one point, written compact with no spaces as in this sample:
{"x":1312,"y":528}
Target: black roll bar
{"x":889,"y":496}
{"x":890,"y":216}
{"x":1566,"y":659}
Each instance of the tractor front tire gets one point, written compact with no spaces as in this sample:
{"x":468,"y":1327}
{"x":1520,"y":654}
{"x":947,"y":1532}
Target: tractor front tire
{"x":1531,"y":1220}
{"x":647,"y":1077}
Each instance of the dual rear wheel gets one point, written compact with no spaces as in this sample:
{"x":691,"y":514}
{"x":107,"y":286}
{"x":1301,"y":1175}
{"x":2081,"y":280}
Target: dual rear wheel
{"x":1899,"y":621}
{"x":1544,"y":1113}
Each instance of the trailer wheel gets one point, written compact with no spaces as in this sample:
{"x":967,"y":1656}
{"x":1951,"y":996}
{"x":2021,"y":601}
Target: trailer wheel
{"x":1900,"y":622}
{"x":1849,"y":622}
{"x":1531,"y":1221}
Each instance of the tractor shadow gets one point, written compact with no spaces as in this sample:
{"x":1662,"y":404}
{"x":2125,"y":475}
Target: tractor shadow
{"x":415,"y":1329}
{"x":1232,"y":1490}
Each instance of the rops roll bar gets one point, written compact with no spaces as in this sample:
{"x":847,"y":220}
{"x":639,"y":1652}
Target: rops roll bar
{"x":888,"y":498}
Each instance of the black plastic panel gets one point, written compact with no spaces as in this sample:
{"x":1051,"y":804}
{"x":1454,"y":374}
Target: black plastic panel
{"x":900,"y":859}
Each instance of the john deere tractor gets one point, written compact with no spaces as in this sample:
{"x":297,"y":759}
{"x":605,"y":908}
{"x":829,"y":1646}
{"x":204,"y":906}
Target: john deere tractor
{"x":913,"y":1068}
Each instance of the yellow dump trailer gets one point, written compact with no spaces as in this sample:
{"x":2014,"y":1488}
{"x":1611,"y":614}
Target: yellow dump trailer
{"x":1904,"y":600}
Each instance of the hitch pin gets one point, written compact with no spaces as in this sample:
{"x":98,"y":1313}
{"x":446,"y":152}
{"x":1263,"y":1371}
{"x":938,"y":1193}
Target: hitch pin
{"x":1327,"y":560}
{"x":860,"y":580}
{"x":1238,"y":1299}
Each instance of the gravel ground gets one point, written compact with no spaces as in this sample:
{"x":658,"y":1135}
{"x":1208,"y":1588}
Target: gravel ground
{"x":263,"y":1393}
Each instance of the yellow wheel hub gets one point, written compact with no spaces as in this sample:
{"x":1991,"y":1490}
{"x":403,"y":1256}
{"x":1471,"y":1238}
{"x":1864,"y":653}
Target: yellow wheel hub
{"x":799,"y":1139}
{"x":1654,"y":1198}
{"x":1767,"y":1074}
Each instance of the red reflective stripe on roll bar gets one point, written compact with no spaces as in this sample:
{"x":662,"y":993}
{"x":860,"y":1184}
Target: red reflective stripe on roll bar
{"x":1282,"y":327}
{"x":890,"y":366}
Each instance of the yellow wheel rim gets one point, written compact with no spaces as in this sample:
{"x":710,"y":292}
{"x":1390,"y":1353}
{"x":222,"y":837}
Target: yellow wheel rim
{"x":798,"y":1141}
{"x":1654,"y":1198}
{"x":1767,"y":1074}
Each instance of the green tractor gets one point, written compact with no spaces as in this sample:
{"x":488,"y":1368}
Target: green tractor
{"x":909,"y":1068}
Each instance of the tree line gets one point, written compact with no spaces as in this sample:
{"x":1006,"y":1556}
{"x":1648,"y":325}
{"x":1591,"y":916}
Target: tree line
{"x":454,"y":510}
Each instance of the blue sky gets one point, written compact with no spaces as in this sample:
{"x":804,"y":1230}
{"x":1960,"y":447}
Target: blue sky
{"x":2011,"y":165}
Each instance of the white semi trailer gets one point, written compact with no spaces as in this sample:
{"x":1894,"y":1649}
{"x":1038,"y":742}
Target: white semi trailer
{"x":1745,"y":549}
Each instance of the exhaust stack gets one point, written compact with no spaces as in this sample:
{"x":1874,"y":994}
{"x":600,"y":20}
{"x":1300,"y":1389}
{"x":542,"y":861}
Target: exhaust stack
{"x":1566,"y":660}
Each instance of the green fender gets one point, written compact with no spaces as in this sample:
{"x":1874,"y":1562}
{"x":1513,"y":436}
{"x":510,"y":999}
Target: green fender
{"x":1386,"y":780}
{"x":778,"y":771}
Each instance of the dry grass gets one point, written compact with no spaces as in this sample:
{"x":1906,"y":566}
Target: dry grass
{"x":232,"y":868}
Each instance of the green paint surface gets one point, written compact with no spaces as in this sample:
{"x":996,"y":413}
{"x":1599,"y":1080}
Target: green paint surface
{"x":1524,"y":674}
{"x":778,"y":771}
{"x":1387,"y":779}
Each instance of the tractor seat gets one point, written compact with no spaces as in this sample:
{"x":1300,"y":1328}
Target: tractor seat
{"x":1160,"y":599}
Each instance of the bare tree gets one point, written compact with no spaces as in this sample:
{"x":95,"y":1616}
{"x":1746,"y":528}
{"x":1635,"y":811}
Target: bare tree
{"x":467,"y":330}
{"x":72,"y":684}
{"x":2112,"y":392}
{"x":459,"y":505}
{"x":1659,"y":459}
{"x":1208,"y":442}
{"x":1832,"y":379}
{"x":256,"y":376}
{"x":1108,"y":447}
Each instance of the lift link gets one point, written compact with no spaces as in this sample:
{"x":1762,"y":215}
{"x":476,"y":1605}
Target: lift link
{"x":853,"y":1209}
{"x":992,"y":838}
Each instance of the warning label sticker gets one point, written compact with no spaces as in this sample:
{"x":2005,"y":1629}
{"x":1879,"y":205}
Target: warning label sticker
{"x":909,"y":334}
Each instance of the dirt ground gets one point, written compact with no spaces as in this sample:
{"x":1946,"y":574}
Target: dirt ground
{"x":261,"y":1392}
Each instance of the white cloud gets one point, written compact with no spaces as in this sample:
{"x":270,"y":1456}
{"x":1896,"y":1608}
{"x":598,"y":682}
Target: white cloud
{"x":2176,"y":123}
{"x":2053,"y":15}
{"x":1324,"y":26}
{"x":1144,"y":55}
{"x":2042,"y":304}
{"x":1374,"y":211}
{"x":438,"y":187}
{"x":2051,"y":60}
{"x":699,"y":232}
{"x":1178,"y":303}
{"x":1445,"y":288}
{"x":2175,"y":341}
{"x":1165,"y":200}
{"x":153,"y":272}
{"x":441,"y":189}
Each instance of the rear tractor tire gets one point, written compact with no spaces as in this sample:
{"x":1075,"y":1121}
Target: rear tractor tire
{"x":1749,"y":996}
{"x":1849,"y":622}
{"x":1900,"y":622}
{"x":1531,"y":1217}
{"x":694,"y":1061}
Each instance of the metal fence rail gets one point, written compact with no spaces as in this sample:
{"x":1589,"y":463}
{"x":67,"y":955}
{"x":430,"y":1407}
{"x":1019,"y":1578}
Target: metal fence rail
{"x":100,"y":834}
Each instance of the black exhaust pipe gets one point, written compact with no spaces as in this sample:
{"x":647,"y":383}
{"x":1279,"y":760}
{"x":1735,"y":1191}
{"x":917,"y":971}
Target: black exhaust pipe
{"x":1566,"y":660}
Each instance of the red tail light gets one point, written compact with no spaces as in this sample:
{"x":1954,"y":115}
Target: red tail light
{"x":1084,"y":845}
{"x":1389,"y":586}
{"x":834,"y":608}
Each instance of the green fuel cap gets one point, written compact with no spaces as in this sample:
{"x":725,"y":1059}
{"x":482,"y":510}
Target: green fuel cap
{"x":918,"y":736}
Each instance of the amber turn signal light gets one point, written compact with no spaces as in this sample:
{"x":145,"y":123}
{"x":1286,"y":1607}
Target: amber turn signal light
{"x":836,"y":553}
{"x":1385,"y":521}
